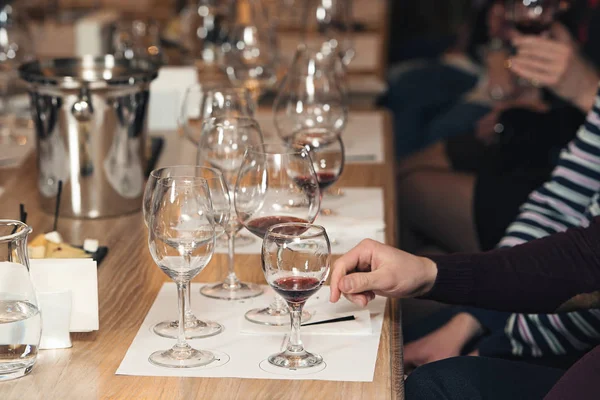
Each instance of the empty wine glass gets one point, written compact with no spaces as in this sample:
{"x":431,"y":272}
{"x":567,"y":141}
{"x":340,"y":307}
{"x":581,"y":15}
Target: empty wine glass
{"x":251,"y":52}
{"x":310,"y":96}
{"x":329,"y":23}
{"x":181,"y":240}
{"x":296,"y":259}
{"x":203,"y":102}
{"x":276,"y":184}
{"x":327,"y":155}
{"x":194,"y":327}
{"x":222,"y":145}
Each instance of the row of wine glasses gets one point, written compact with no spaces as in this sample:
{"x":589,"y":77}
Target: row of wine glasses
{"x":187,"y":211}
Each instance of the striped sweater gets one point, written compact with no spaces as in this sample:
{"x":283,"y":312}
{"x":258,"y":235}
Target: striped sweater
{"x":569,"y":199}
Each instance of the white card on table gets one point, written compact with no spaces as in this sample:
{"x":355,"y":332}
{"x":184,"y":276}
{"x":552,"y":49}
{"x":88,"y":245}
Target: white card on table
{"x":80,"y":276}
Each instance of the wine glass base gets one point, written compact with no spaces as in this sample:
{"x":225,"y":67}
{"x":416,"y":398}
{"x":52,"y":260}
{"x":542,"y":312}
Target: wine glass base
{"x":224,"y":291}
{"x":193,"y":330}
{"x":189,"y":358}
{"x":272,"y":317}
{"x":295,"y":360}
{"x":17,"y":370}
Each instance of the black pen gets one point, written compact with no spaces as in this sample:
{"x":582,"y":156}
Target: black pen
{"x":328,"y":321}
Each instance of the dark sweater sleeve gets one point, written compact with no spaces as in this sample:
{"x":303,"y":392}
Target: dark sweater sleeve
{"x":536,"y":277}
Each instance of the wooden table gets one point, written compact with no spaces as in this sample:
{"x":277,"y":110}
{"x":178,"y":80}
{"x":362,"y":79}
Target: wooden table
{"x":128,"y":283}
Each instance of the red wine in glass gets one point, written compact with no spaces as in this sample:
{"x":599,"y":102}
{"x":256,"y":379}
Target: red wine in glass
{"x":260,"y":226}
{"x":532,"y":27}
{"x":324,"y":179}
{"x":296,"y":289}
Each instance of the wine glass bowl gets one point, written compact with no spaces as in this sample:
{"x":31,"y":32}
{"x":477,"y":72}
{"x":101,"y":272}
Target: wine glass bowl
{"x":296,"y":262}
{"x":181,"y":240}
{"x":532,"y":17}
{"x":276,"y":184}
{"x":310,"y":96}
{"x":327,"y":153}
{"x":203,"y":102}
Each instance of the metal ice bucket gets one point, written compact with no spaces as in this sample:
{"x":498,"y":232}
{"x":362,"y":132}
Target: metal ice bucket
{"x":89,"y":115}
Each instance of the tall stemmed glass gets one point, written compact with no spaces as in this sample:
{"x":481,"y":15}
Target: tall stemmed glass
{"x":310,"y":96}
{"x":194,"y":327}
{"x":222,"y":145}
{"x":202,"y":102}
{"x":296,"y":259}
{"x":181,"y":240}
{"x":251,"y":56}
{"x":276,"y":184}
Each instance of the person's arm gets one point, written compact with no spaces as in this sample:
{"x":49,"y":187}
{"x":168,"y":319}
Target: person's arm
{"x":555,"y":274}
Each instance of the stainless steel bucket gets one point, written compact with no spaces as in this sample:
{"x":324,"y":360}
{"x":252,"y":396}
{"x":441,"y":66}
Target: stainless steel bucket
{"x":89,"y":115}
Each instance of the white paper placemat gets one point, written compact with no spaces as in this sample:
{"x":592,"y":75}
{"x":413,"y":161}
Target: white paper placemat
{"x":363,"y":137}
{"x":358,"y":215}
{"x":347,"y":357}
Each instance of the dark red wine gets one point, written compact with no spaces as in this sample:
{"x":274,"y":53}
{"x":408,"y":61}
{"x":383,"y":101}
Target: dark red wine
{"x":532,"y":27}
{"x":326,"y":179}
{"x":296,"y":289}
{"x":260,"y":226}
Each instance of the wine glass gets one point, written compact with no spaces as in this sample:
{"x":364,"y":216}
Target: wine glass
{"x":181,"y":240}
{"x":203,"y":102}
{"x":327,"y":154}
{"x":134,"y":38}
{"x":310,"y":96}
{"x":251,"y":53}
{"x":194,"y":328}
{"x":276,"y":184}
{"x":532,"y":17}
{"x":296,"y":259}
{"x":222,"y":145}
{"x":330,"y":23}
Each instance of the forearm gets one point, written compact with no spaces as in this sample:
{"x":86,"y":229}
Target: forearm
{"x":557,"y":273}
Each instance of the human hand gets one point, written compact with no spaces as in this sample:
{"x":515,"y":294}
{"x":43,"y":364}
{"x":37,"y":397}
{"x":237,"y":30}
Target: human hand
{"x":555,"y":62}
{"x":372,"y":268}
{"x":445,"y":342}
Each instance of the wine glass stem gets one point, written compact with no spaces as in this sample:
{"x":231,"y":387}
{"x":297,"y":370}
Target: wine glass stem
{"x":295,"y":344}
{"x":231,"y":280}
{"x":189,"y":315}
{"x":181,"y":295}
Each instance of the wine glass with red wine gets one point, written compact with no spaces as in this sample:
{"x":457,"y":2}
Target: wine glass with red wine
{"x":532,"y":17}
{"x":276,"y":184}
{"x":296,"y":259}
{"x":326,"y":152}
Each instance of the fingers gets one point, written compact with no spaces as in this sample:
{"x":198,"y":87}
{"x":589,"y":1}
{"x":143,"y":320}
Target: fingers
{"x":360,"y":299}
{"x":544,"y":49}
{"x":533,"y":74}
{"x":359,"y":258}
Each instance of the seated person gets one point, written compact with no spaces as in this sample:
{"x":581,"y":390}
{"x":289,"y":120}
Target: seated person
{"x":569,"y":199}
{"x":447,"y":191}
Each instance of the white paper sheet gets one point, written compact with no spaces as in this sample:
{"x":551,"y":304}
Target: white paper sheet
{"x":363,"y":137}
{"x":358,"y":215}
{"x":80,"y":276}
{"x":347,"y":357}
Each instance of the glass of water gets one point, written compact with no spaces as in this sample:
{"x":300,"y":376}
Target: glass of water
{"x":20,"y":320}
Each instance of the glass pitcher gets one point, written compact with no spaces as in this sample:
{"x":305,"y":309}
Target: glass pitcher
{"x":20,"y":320}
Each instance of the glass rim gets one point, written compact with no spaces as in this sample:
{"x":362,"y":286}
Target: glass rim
{"x":153,"y":173}
{"x":248,"y":119}
{"x":214,"y":87}
{"x":24,"y":231}
{"x":294,"y":149}
{"x":196,"y":180}
{"x":308,"y":225}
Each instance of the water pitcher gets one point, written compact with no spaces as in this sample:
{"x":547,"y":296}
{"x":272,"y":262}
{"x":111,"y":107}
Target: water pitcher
{"x":20,"y":320}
